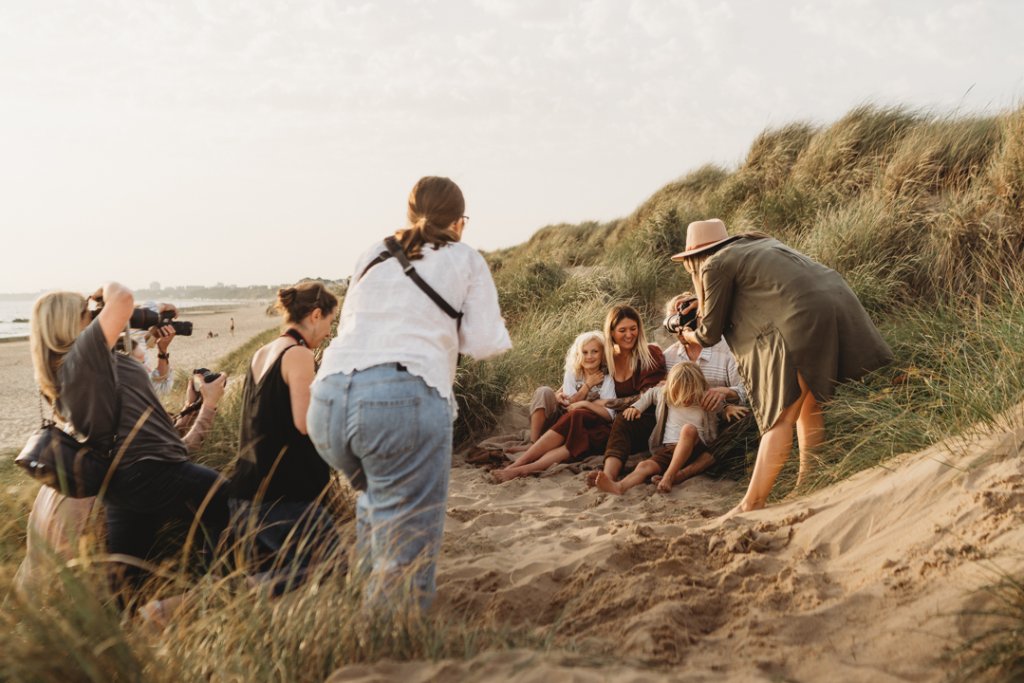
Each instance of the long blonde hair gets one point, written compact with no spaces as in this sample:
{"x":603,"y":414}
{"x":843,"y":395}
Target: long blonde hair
{"x":574,"y":357}
{"x":55,"y":324}
{"x":641,"y":356}
{"x":686,"y":385}
{"x":435,"y":203}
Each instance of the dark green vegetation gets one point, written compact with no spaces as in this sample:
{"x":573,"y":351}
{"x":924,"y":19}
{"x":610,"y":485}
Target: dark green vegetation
{"x":922,"y":214}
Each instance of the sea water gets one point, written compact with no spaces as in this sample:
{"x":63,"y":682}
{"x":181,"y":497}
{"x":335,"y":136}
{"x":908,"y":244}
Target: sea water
{"x":20,"y":309}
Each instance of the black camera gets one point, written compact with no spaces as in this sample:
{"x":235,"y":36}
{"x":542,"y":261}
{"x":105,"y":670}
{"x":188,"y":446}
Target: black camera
{"x":675,"y":323}
{"x":201,"y":376}
{"x":144,"y":318}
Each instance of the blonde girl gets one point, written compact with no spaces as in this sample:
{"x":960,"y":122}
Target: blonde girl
{"x":583,"y":426}
{"x":585,"y":378}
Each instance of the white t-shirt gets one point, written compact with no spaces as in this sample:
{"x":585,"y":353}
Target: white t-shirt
{"x":683,"y":415}
{"x":571,"y":384}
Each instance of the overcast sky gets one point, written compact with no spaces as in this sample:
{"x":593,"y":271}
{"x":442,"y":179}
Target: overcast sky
{"x":261,"y":141}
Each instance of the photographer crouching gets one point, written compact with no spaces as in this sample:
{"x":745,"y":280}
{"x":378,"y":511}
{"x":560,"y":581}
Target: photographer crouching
{"x":106,"y":399}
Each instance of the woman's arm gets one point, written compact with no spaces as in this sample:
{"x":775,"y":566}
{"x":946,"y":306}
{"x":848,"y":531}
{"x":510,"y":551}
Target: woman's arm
{"x":483,"y":332}
{"x":718,"y":292}
{"x":298,"y":370}
{"x":118,"y":304}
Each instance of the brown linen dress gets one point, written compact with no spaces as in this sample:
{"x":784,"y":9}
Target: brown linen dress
{"x":781,"y":312}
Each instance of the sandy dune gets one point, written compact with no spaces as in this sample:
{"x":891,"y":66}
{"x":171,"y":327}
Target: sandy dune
{"x":863,"y":581}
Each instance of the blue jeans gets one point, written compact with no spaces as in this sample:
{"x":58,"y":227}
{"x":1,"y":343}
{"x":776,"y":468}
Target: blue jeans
{"x":391,"y":434}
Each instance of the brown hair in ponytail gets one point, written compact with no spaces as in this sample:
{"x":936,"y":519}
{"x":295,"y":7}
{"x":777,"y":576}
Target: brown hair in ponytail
{"x":298,"y":301}
{"x":435,"y":204}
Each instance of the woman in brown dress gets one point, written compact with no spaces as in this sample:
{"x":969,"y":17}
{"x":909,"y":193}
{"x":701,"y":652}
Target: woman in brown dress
{"x":796,"y":329}
{"x":636,"y":366}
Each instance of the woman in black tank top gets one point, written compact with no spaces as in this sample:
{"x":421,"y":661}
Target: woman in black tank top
{"x":280,"y":477}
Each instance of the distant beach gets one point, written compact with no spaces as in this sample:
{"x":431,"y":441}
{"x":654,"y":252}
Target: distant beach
{"x":20,"y":408}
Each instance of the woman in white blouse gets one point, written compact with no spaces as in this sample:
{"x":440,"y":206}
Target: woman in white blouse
{"x":382,"y":405}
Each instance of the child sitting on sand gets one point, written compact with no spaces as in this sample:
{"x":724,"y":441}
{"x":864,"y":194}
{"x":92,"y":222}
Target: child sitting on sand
{"x":680,"y":433}
{"x":583,"y":427}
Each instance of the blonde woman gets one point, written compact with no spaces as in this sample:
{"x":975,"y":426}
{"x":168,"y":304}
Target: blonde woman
{"x":795,"y":328}
{"x":680,"y":433}
{"x":100,"y":395}
{"x":636,"y":366}
{"x":382,"y":404}
{"x":583,"y":426}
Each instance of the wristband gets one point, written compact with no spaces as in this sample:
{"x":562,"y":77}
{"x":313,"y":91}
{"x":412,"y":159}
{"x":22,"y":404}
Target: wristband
{"x":163,"y":356}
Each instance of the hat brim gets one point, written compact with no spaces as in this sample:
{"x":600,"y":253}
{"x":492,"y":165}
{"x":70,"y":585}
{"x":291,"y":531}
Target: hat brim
{"x":700,"y":250}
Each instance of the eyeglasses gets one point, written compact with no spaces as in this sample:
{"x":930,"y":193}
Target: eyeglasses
{"x":465,"y":218}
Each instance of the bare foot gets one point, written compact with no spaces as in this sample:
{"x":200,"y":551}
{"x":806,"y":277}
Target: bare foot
{"x":504,"y":475}
{"x":591,"y":477}
{"x":664,"y":485}
{"x":604,"y":482}
{"x":656,"y":479}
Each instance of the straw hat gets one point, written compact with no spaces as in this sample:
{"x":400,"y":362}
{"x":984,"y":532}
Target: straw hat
{"x":704,"y":235}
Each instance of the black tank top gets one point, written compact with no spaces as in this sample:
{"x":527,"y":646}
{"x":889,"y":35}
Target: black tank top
{"x":269,"y":436}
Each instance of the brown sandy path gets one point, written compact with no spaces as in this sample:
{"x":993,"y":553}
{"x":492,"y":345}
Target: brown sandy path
{"x":19,"y":407}
{"x":864,"y":581}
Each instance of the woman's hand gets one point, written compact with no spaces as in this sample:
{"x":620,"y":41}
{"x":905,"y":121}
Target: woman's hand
{"x":213,"y":391}
{"x":733,"y":413}
{"x":579,"y":405}
{"x":690,"y":337}
{"x":630,"y":414}
{"x":562,"y":399}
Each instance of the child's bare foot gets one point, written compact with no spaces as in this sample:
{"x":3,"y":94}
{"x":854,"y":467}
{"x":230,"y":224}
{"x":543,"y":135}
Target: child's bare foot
{"x":504,"y":475}
{"x":664,"y":484}
{"x":591,"y":477}
{"x":604,"y":482}
{"x":656,"y":479}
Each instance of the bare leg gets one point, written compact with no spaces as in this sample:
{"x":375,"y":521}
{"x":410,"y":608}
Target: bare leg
{"x":537,"y":420}
{"x":810,"y":433}
{"x":638,"y":476}
{"x":680,"y":454}
{"x":612,"y":468}
{"x":544,"y":444}
{"x":552,"y":457}
{"x":703,"y":461}
{"x":772,"y":454}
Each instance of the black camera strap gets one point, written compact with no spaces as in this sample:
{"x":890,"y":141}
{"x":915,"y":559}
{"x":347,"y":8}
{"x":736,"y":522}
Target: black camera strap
{"x":394,"y":249}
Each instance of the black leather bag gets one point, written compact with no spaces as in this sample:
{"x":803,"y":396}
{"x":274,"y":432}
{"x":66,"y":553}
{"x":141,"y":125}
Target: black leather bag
{"x":56,"y":459}
{"x":75,"y":469}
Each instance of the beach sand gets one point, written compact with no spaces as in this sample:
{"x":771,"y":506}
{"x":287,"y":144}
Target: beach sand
{"x":863,"y":581}
{"x":19,"y":408}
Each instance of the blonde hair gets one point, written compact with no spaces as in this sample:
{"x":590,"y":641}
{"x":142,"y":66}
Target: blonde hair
{"x":435,"y":204}
{"x":574,"y":357}
{"x":686,"y":384}
{"x":641,"y":355}
{"x":55,"y":324}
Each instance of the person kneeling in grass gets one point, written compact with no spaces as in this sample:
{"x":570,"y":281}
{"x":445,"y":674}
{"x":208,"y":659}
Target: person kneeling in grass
{"x":680,"y":434}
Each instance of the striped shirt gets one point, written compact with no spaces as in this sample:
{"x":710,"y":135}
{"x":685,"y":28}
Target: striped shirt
{"x":717,"y":364}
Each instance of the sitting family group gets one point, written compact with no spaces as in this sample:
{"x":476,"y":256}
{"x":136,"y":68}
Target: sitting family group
{"x":380,"y":407}
{"x":765,"y":327}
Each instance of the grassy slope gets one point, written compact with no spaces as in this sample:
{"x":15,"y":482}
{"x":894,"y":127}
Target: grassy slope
{"x":922,"y":215}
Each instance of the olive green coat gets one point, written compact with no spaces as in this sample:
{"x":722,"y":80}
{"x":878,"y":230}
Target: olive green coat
{"x":781,"y":313}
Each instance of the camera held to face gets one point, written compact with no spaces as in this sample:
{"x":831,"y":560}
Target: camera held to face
{"x":675,"y":323}
{"x":144,"y":318}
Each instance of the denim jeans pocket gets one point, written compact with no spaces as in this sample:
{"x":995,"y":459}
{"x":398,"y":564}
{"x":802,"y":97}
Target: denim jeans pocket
{"x":387,"y":427}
